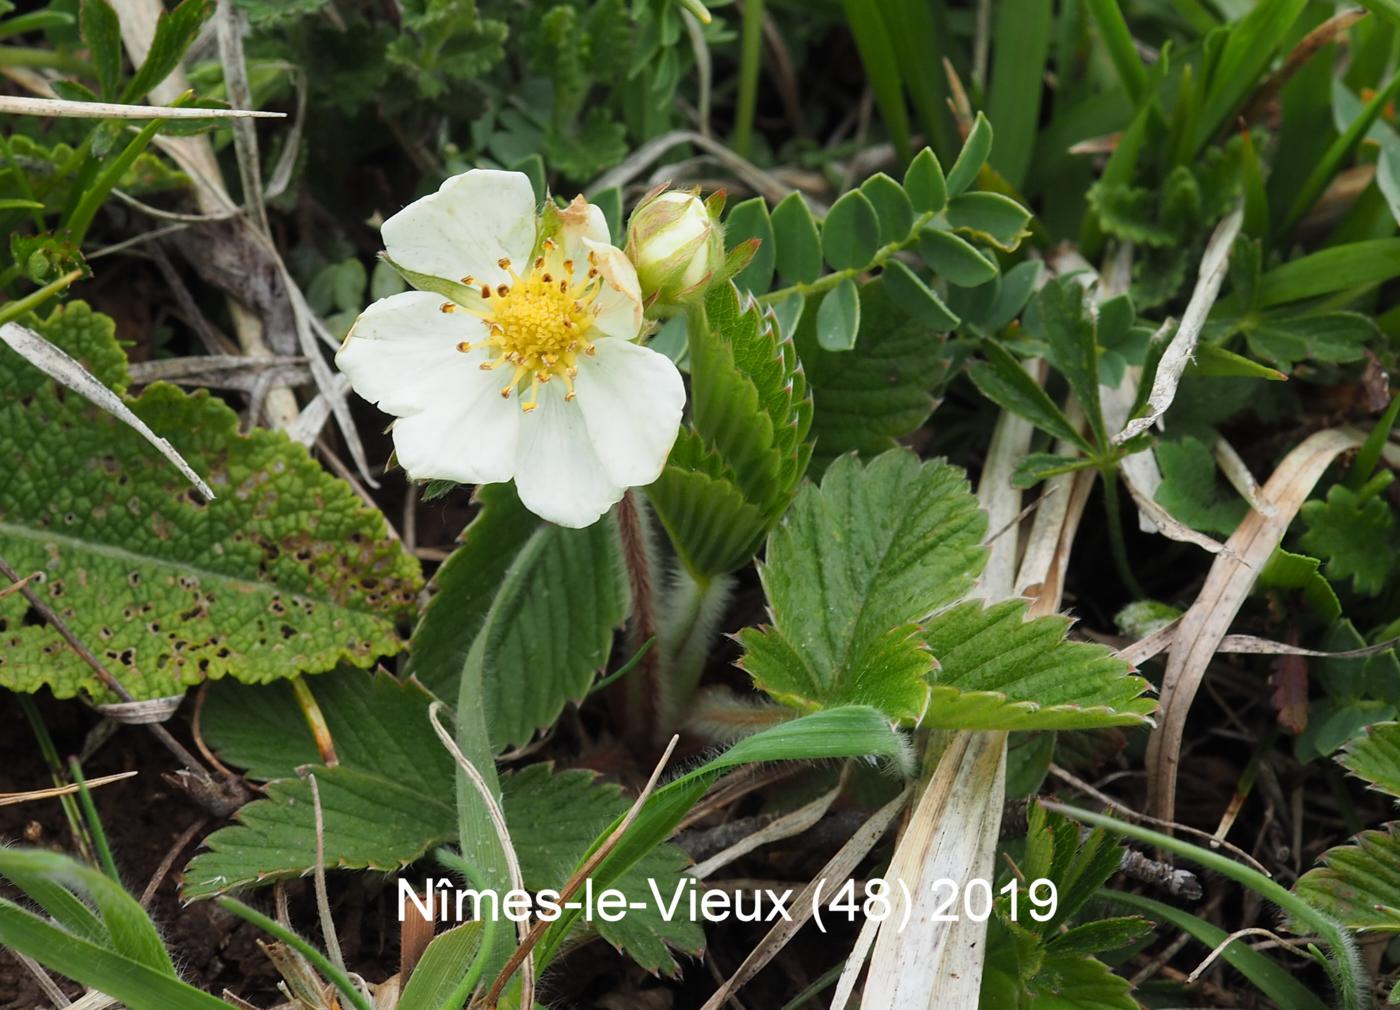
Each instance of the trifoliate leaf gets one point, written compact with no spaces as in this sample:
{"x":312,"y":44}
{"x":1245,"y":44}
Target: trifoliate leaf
{"x":1355,"y":534}
{"x":389,"y":801}
{"x":543,"y":652}
{"x":881,"y":391}
{"x":996,"y":670}
{"x":850,"y":572}
{"x":285,"y":572}
{"x":1191,"y":491}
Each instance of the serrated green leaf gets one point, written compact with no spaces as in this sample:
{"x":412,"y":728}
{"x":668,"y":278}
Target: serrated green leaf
{"x":1285,"y":570}
{"x":390,"y":800}
{"x":990,"y":217}
{"x":555,"y":818}
{"x":924,"y":182}
{"x":1358,"y":884}
{"x":1078,"y":983}
{"x":712,"y":525}
{"x":838,"y":317}
{"x":851,"y":232}
{"x":534,"y":663}
{"x":867,"y":399}
{"x":796,"y":244}
{"x":972,"y":157}
{"x":853,"y":568}
{"x":1355,"y":534}
{"x":998,"y":671}
{"x":1190,"y":490}
{"x":953,"y":259}
{"x":285,"y":572}
{"x":1375,"y":757}
{"x":907,"y":290}
{"x":892,"y":205}
{"x":750,"y":220}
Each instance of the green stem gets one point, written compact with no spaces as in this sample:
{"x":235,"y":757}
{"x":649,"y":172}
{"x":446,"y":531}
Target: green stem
{"x":1345,"y":965}
{"x":318,"y":960}
{"x":81,"y":218}
{"x":750,"y":55}
{"x":836,"y":277}
{"x":22,"y":179}
{"x":29,"y":303}
{"x":24,"y":56}
{"x":50,"y":752}
{"x":99,"y":837}
{"x":1116,"y":542}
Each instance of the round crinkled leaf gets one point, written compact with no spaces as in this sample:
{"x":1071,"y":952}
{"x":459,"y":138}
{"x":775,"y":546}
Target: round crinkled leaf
{"x":285,"y":572}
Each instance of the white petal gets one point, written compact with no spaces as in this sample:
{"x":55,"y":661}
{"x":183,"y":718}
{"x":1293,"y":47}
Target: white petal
{"x":631,"y":399}
{"x":471,"y":222}
{"x":578,"y":221}
{"x":619,"y":304}
{"x":402,"y":352}
{"x":472,"y":438}
{"x":558,"y":475}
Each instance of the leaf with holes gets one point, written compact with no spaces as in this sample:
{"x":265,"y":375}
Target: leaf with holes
{"x":536,"y":662}
{"x":850,"y":573}
{"x":285,"y":572}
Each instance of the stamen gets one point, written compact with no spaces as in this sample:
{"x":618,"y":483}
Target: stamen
{"x":486,"y":291}
{"x":469,"y":280}
{"x":464,"y":346}
{"x":539,"y":262}
{"x":447,"y":307}
{"x":502,"y":289}
{"x":569,"y":266}
{"x":503,"y":263}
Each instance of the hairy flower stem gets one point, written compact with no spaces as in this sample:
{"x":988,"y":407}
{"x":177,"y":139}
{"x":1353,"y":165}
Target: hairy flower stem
{"x":644,"y":691}
{"x":691,"y":611}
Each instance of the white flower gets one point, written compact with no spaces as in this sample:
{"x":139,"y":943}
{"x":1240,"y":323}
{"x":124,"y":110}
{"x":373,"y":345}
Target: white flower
{"x":530,"y":371}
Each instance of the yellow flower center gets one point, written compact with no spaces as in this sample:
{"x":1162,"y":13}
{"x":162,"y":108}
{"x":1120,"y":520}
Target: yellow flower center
{"x":538,"y":324}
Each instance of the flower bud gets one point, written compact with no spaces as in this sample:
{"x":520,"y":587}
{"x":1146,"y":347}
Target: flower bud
{"x":675,"y":244}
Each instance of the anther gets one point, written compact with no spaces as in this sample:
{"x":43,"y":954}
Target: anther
{"x":486,"y":291}
{"x":469,"y":280}
{"x":464,"y":347}
{"x":569,"y":266}
{"x":564,"y":286}
{"x":503,"y":263}
{"x":502,"y":289}
{"x":539,"y":262}
{"x":550,"y":244}
{"x":547,"y":279}
{"x":447,"y":307}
